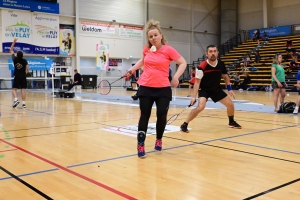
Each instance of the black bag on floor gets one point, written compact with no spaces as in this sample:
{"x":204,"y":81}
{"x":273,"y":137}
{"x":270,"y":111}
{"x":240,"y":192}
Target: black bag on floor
{"x":286,"y":107}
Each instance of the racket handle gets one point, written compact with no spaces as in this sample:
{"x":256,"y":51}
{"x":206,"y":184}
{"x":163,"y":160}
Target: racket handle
{"x":193,"y":104}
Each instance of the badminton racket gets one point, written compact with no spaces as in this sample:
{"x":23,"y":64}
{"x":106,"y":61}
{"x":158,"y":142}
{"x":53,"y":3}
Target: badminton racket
{"x":104,"y":86}
{"x":174,"y":117}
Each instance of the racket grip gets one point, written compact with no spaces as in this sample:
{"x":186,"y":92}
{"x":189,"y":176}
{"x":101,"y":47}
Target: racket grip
{"x":193,"y":104}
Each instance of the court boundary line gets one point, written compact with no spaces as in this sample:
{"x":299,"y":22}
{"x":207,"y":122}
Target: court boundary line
{"x":8,"y":150}
{"x":192,"y":143}
{"x":26,"y":184}
{"x":38,"y":135}
{"x":127,"y":156}
{"x":50,"y":127}
{"x":31,"y":173}
{"x":269,"y":148}
{"x":220,"y":147}
{"x":110,"y":189}
{"x":272,"y":189}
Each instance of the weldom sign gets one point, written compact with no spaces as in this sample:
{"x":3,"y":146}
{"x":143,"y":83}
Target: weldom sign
{"x":16,"y":24}
{"x":97,"y":28}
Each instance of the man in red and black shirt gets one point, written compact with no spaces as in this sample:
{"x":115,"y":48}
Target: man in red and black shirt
{"x":207,"y":84}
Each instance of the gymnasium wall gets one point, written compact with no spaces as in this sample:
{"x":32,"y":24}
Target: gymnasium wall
{"x":200,"y":16}
{"x":250,"y":13}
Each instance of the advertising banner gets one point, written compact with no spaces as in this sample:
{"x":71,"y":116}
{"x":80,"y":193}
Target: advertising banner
{"x":45,"y":30}
{"x":16,"y":24}
{"x":34,"y":64}
{"x":102,"y":56}
{"x":67,"y":40}
{"x":134,"y":32}
{"x":31,"y":5}
{"x":98,"y":28}
{"x":273,"y":31}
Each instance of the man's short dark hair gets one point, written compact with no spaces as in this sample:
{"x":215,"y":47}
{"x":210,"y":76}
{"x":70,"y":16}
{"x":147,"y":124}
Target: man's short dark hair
{"x":75,"y":70}
{"x":211,"y":46}
{"x":20,"y":54}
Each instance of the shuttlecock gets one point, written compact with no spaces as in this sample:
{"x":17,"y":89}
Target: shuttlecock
{"x":153,"y":49}
{"x":287,"y":94}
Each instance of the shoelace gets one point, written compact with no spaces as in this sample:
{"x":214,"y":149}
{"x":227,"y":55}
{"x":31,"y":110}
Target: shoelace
{"x":141,"y":148}
{"x":158,"y":143}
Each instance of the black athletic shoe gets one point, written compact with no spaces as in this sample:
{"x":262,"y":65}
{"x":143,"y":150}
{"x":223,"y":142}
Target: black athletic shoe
{"x":184,"y":128}
{"x":234,"y":124}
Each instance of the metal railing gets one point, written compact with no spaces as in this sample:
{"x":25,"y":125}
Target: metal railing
{"x":230,"y":44}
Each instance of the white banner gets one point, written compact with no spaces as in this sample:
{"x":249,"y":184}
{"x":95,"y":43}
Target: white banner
{"x":134,"y":32}
{"x":45,"y":32}
{"x":16,"y":24}
{"x":98,"y":28}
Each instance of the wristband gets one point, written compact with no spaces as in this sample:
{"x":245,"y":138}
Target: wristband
{"x":229,"y":87}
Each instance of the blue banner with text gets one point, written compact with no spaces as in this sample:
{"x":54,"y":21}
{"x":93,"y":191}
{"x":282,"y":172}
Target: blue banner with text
{"x":34,"y":64}
{"x":273,"y":31}
{"x":31,"y":5}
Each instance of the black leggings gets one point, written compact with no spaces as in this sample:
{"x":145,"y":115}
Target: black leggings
{"x":162,"y":107}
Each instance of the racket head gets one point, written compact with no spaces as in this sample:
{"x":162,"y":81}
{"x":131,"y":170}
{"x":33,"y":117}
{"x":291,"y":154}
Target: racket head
{"x":104,"y":87}
{"x":172,"y":119}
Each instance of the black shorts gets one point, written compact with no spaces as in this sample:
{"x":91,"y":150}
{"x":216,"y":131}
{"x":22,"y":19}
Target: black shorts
{"x":145,"y":91}
{"x":215,"y":96}
{"x":275,"y":85}
{"x":20,"y":82}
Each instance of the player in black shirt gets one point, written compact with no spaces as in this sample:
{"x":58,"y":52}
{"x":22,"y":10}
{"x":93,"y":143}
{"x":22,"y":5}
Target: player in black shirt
{"x":77,"y":80}
{"x":209,"y":73}
{"x":21,"y":68}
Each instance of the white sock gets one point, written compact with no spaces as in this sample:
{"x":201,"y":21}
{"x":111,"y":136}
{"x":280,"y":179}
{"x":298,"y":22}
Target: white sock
{"x":296,"y":107}
{"x":16,"y":99}
{"x":23,"y":102}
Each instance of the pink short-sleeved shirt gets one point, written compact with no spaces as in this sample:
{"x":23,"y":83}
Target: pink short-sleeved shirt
{"x":156,"y":66}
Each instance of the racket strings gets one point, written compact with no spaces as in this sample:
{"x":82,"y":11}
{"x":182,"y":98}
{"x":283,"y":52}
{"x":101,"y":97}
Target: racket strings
{"x":172,"y":119}
{"x":104,"y":87}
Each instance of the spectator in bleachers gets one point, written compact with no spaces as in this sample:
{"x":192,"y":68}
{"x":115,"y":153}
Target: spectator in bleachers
{"x":246,"y":61}
{"x":289,"y":43}
{"x":257,"y":36}
{"x":288,"y":56}
{"x":295,"y":54}
{"x":278,"y":80}
{"x":253,"y":36}
{"x":265,"y":37}
{"x":246,"y":81}
{"x":236,"y":80}
{"x":294,"y":63}
{"x":257,"y":57}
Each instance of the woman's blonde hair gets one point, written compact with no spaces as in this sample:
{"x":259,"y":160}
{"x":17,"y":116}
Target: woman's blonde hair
{"x":275,"y":60}
{"x":151,"y":25}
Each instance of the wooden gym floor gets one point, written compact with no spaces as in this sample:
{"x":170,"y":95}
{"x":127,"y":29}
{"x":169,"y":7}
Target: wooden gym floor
{"x":73,"y":149}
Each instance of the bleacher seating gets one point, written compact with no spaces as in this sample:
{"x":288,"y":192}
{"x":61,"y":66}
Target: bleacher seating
{"x":262,"y":77}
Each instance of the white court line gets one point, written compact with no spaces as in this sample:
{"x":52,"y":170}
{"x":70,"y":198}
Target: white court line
{"x":259,"y":104}
{"x":123,"y":104}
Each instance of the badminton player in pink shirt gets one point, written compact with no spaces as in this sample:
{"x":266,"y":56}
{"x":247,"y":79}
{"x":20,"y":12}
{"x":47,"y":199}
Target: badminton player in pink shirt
{"x":154,"y":83}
